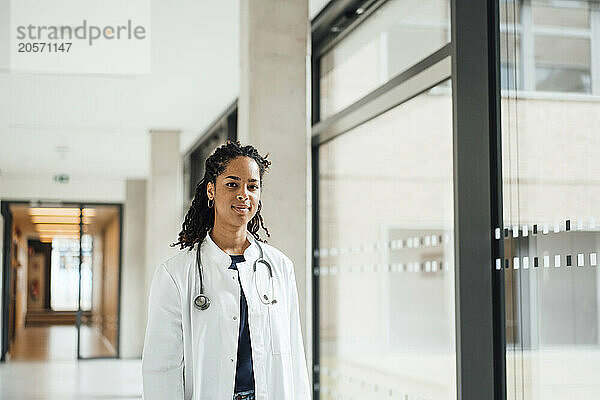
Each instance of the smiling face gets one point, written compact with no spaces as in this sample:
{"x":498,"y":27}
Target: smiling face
{"x":236,"y":192}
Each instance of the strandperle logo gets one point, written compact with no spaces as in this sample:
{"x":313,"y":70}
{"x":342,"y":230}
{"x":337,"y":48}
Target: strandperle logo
{"x":91,"y":33}
{"x":81,"y":36}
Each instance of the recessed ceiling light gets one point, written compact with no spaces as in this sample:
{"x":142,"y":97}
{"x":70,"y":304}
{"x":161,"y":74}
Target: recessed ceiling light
{"x":56,"y":228}
{"x":64,"y":211}
{"x":59,"y":219}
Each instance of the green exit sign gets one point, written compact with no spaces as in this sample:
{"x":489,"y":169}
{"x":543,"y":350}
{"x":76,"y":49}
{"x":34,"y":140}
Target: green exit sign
{"x":61,"y":178}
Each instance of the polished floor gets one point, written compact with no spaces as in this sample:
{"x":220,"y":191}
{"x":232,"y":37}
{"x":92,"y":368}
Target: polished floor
{"x":71,"y":380}
{"x":43,"y":365}
{"x":556,"y":373}
{"x":59,"y":342}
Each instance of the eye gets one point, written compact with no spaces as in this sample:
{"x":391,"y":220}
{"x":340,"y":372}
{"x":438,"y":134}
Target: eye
{"x":231,"y":183}
{"x":254,"y":186}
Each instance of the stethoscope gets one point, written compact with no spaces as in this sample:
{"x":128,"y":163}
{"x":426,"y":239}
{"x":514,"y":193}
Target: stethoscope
{"x":202,"y":302}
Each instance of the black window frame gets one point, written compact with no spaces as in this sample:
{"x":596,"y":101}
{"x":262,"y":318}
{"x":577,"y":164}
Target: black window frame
{"x":223,"y":128}
{"x":475,"y":75}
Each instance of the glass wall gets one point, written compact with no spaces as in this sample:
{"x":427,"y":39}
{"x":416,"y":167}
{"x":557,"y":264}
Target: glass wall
{"x":386,"y":256}
{"x":549,"y":44}
{"x":397,"y":35}
{"x":550,"y":133}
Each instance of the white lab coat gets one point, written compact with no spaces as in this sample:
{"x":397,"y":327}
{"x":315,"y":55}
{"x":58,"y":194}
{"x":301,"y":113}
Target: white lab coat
{"x":191,"y":354}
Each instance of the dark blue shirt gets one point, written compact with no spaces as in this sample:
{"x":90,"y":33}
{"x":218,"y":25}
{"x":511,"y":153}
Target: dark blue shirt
{"x":244,"y":374}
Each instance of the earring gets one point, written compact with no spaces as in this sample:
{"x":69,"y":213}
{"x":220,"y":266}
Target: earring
{"x":209,"y":204}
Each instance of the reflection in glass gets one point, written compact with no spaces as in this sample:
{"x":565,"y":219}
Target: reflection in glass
{"x":551,"y":205}
{"x":574,"y":14}
{"x":562,"y":64}
{"x":396,"y":36}
{"x":509,"y":11}
{"x":510,"y":51}
{"x":386,"y":256}
{"x":548,"y":45}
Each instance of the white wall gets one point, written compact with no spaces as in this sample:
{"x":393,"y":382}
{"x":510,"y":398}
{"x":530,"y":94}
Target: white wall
{"x":44,"y":188}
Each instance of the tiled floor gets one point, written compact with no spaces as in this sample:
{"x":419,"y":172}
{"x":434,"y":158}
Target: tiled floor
{"x":71,"y":380}
{"x":43,"y":365}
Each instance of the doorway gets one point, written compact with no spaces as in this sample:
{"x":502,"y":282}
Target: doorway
{"x":61,"y":280}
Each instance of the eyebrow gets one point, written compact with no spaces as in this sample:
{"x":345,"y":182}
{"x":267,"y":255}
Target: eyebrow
{"x":237,"y":178}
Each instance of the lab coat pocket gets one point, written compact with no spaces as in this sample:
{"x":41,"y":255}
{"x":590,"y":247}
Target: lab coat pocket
{"x":279,"y":326}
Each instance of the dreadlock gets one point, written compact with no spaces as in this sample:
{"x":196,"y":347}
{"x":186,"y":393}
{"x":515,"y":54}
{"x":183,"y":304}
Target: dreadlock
{"x":199,"y":218}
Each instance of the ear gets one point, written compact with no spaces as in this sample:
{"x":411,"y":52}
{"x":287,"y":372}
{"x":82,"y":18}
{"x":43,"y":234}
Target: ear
{"x":210,"y":190}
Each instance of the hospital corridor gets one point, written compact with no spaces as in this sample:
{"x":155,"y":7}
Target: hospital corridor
{"x":48,"y":331}
{"x":299,"y":200}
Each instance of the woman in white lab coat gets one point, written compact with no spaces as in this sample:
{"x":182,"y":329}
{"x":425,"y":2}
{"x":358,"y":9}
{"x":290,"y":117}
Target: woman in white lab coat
{"x":224,"y":323}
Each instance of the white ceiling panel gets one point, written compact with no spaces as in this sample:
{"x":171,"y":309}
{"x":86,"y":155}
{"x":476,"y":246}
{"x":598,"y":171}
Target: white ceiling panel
{"x":96,"y":125}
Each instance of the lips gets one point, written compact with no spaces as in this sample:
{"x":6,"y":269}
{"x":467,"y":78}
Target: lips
{"x":241,"y":209}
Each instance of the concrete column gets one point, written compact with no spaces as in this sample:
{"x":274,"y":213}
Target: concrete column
{"x":273,"y":115}
{"x":133,"y":270}
{"x":164,"y":197}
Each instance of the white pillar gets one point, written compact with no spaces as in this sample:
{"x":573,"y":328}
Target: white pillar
{"x":273,"y":115}
{"x":133,"y":270}
{"x":164,"y":197}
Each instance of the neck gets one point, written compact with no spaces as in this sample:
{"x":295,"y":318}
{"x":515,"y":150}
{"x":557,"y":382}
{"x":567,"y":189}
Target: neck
{"x":232,"y":240}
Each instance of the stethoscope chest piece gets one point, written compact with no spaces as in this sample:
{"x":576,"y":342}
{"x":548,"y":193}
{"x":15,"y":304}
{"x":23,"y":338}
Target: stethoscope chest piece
{"x":267,"y":301}
{"x":202,"y":302}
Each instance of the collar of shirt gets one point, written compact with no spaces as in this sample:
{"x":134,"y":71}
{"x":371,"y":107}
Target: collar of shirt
{"x":223,"y":260}
{"x":235,"y":260}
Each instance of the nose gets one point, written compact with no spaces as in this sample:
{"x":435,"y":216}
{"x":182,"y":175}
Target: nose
{"x":243,"y":195}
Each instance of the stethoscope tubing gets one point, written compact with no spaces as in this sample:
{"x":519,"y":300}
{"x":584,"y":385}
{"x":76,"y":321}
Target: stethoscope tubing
{"x":202,"y":302}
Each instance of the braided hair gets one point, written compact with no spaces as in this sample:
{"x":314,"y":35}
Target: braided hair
{"x":199,"y":218}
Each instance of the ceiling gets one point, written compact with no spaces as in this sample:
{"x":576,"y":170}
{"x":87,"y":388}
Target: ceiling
{"x":96,"y":126}
{"x":102,"y":216}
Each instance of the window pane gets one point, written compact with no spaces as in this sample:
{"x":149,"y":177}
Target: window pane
{"x":397,"y":35}
{"x":386,"y":256}
{"x":557,"y":79}
{"x":562,"y":64}
{"x":544,"y":13}
{"x":563,"y":51}
{"x":510,"y":47}
{"x":509,"y":11}
{"x":551,"y":206}
{"x":510,"y":56}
